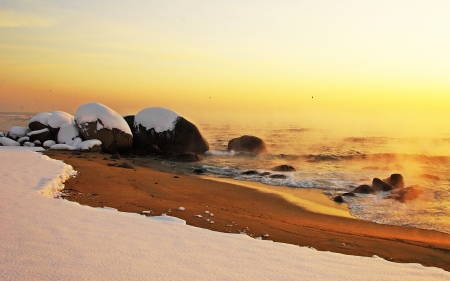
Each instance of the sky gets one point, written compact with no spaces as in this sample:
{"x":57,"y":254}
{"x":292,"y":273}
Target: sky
{"x":345,"y":63}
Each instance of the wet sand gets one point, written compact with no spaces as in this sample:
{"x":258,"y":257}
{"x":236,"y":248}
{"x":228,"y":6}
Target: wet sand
{"x":303,"y":217}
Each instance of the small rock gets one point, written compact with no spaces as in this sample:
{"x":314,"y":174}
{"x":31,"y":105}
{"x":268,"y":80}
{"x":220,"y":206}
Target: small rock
{"x":283,"y":168}
{"x":277,"y":176}
{"x":349,"y":194}
{"x":251,"y":172}
{"x":338,"y":199}
{"x":198,"y":171}
{"x":115,"y":156}
{"x":181,"y":209}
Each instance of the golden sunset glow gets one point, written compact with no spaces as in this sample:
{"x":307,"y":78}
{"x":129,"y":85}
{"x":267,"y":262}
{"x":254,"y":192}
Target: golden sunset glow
{"x":365,"y":63}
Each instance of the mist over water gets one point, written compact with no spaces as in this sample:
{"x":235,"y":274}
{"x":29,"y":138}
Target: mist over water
{"x":332,"y":160}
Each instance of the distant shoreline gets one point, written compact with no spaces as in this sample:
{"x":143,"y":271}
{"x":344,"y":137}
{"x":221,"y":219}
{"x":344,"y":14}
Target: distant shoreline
{"x":237,"y":208}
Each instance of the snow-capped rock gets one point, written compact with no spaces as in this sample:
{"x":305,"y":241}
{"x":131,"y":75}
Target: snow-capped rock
{"x":168,"y":131}
{"x":42,"y":135}
{"x":4,"y":141}
{"x":39,"y":121}
{"x":97,"y":121}
{"x":67,"y":134}
{"x":16,"y":132}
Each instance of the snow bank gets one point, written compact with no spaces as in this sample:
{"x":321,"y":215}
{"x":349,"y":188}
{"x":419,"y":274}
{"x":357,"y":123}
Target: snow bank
{"x":158,"y":118}
{"x":110,"y":119}
{"x":59,"y":118}
{"x":52,"y":239}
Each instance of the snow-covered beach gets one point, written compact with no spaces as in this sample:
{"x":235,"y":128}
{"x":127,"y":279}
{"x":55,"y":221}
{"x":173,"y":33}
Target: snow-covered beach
{"x":43,"y":238}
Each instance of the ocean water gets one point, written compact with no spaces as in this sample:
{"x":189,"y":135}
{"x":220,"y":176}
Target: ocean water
{"x":333,"y":162}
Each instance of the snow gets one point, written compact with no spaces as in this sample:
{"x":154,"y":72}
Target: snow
{"x":32,"y":133}
{"x":158,"y":118}
{"x":67,"y":134}
{"x":110,"y":119}
{"x":18,"y":132}
{"x":41,"y":118}
{"x":8,"y":142}
{"x":88,"y":144}
{"x":43,"y":238}
{"x":49,"y":143}
{"x":2,"y":134}
{"x":59,"y":118}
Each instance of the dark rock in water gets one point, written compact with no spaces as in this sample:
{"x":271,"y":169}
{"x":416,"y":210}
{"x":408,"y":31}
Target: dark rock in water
{"x":97,"y":121}
{"x":264,"y":174}
{"x":338,"y":199}
{"x":430,"y":177}
{"x":170,"y":133}
{"x":403,"y":194}
{"x":363,"y":189}
{"x":246,"y":143}
{"x":185,"y":157}
{"x":115,"y":156}
{"x":277,"y":176}
{"x":396,"y":181}
{"x":250,"y":173}
{"x":111,"y":164}
{"x":349,"y":194}
{"x":284,"y":168}
{"x":41,"y":135}
{"x":198,"y":171}
{"x":379,"y":185}
{"x":125,"y":165}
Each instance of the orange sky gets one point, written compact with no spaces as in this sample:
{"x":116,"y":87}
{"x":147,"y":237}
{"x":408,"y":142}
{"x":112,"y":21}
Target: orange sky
{"x":367,"y":63}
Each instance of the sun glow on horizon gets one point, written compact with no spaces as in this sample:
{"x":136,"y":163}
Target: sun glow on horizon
{"x":321,"y":60}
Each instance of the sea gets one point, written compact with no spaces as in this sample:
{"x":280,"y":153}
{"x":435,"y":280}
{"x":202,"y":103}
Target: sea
{"x":332,"y":162}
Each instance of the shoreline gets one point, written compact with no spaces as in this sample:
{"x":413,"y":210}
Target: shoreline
{"x":245,"y":207}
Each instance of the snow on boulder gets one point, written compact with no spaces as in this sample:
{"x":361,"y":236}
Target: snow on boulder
{"x":90,"y":145}
{"x":157,"y":128}
{"x":40,"y":135}
{"x":97,"y":121}
{"x":16,"y":132}
{"x":48,"y":144}
{"x":59,"y":119}
{"x":67,"y":134}
{"x":4,"y":141}
{"x":39,"y":121}
{"x":2,"y":134}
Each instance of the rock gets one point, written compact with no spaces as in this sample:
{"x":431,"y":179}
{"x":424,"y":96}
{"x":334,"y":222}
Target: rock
{"x":185,"y":157}
{"x":16,"y":132}
{"x":115,"y":156}
{"x":378,"y":185}
{"x":41,"y":136}
{"x":277,"y":176}
{"x":56,"y":120}
{"x":349,"y":194}
{"x":403,"y":194}
{"x":48,"y":144}
{"x":167,"y":130}
{"x":198,"y":171}
{"x":97,"y":121}
{"x":4,"y":141}
{"x":22,"y":140}
{"x":396,"y":181}
{"x":67,"y":134}
{"x":250,"y":173}
{"x":338,"y":199}
{"x":264,"y":174}
{"x":247,"y":143}
{"x":130,"y":121}
{"x":125,"y":165}
{"x":39,"y":121}
{"x":283,"y":168}
{"x":363,"y":189}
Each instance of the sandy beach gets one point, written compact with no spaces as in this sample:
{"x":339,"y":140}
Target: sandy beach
{"x":302,"y":217}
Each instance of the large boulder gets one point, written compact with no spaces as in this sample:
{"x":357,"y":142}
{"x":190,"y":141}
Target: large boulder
{"x":51,"y":121}
{"x":57,"y":119}
{"x":39,"y":121}
{"x":249,"y":144}
{"x":160,"y":128}
{"x":97,"y":121}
